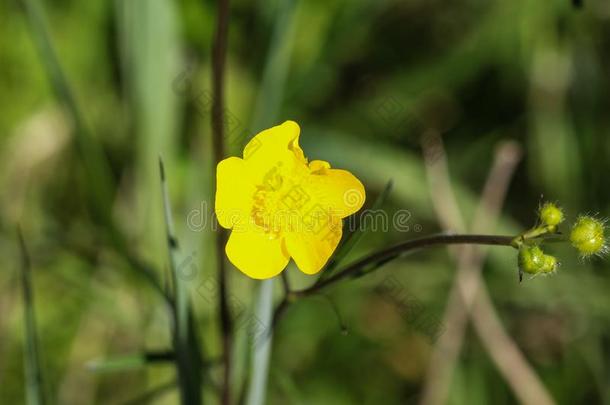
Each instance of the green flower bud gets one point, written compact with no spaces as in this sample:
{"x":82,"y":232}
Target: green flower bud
{"x":532,"y":260}
{"x":551,"y":214}
{"x":550,"y":264}
{"x":588,"y":236}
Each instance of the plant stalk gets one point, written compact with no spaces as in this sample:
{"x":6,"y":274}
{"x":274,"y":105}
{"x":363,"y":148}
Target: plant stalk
{"x":219,"y":54}
{"x":375,"y":260}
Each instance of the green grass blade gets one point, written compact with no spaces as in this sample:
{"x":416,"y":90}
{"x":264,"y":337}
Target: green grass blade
{"x":261,"y":346}
{"x":97,"y":170}
{"x":33,"y":380}
{"x":276,"y":67}
{"x":148,"y":37}
{"x":128,"y":362}
{"x":186,"y":345}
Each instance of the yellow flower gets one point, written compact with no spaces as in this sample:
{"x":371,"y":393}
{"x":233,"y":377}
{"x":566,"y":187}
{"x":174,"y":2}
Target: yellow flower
{"x":279,"y":205}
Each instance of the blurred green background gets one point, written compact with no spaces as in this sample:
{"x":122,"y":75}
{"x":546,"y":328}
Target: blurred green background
{"x":365,"y":80}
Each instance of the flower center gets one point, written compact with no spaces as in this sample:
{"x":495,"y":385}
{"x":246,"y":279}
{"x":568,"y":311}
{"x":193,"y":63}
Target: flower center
{"x":278,"y":203}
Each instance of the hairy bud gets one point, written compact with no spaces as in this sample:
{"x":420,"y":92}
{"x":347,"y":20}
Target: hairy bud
{"x":532,"y":260}
{"x":551,"y":214}
{"x":588,"y":237}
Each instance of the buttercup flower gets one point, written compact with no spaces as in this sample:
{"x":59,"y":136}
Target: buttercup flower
{"x":281,"y":206}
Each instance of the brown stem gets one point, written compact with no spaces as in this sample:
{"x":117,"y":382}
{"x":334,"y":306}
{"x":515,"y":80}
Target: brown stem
{"x":219,"y":53}
{"x":359,"y":268}
{"x":380,"y":257}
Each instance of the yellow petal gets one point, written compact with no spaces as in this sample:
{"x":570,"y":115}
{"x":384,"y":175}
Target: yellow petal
{"x":255,"y":254}
{"x":234,"y":191}
{"x":275,"y":147}
{"x":312,"y":245}
{"x":279,"y":137}
{"x":338,"y":190}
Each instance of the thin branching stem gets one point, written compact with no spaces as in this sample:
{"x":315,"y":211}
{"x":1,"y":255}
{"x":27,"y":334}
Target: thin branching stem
{"x":375,"y":260}
{"x":383,"y":256}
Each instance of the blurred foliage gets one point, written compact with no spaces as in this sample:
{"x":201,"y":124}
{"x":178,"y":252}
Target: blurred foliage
{"x":365,"y":80}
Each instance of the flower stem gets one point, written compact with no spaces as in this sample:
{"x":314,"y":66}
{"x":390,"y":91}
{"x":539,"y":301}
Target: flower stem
{"x":375,"y":260}
{"x":219,"y":56}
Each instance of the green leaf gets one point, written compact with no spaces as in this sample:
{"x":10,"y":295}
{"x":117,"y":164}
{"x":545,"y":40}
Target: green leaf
{"x":33,"y":380}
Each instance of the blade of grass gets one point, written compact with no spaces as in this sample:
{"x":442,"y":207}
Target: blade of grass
{"x":186,"y":344}
{"x":180,"y":299}
{"x":149,"y":42}
{"x":128,"y":362}
{"x":97,"y":170}
{"x":33,"y":380}
{"x":262,"y":346}
{"x":276,"y":67}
